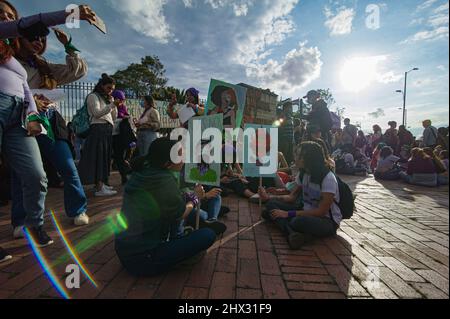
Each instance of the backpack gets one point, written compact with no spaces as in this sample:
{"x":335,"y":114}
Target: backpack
{"x":81,"y":121}
{"x":347,"y":199}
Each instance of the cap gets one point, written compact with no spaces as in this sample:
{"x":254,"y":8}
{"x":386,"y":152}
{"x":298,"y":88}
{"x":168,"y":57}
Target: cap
{"x":311,"y":93}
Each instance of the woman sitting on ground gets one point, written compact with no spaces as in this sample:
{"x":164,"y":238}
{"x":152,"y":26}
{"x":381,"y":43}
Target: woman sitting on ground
{"x":441,"y":170}
{"x":152,"y":205}
{"x":387,"y":165}
{"x":320,"y":216}
{"x":421,"y":169}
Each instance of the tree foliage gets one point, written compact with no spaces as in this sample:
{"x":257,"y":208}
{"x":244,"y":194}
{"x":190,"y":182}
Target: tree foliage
{"x":142,"y":78}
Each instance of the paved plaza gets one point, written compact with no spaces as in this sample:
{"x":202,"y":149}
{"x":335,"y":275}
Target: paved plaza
{"x":396,"y":246}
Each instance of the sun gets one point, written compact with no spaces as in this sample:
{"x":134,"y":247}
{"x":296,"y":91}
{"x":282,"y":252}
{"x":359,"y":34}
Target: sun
{"x":359,"y":73}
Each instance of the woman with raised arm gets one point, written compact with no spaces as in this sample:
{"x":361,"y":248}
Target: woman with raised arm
{"x":19,"y":120}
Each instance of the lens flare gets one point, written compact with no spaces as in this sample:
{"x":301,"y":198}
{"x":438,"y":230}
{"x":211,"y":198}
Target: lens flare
{"x":45,"y":266}
{"x":71,"y":250}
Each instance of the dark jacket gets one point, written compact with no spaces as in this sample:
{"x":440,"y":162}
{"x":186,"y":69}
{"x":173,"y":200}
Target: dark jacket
{"x":320,"y":116}
{"x":152,"y":202}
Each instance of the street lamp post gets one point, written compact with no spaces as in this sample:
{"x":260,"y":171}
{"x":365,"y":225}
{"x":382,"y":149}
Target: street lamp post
{"x":404,"y":94}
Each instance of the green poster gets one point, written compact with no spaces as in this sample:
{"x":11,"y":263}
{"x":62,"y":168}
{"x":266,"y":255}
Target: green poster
{"x":227,"y":99}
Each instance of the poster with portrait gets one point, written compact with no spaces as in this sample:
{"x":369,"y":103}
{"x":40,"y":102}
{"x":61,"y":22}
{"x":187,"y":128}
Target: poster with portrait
{"x":203,"y":173}
{"x":227,"y":99}
{"x":252,"y":162}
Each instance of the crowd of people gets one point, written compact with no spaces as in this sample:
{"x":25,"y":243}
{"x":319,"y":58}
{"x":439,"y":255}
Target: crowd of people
{"x":170,"y":221}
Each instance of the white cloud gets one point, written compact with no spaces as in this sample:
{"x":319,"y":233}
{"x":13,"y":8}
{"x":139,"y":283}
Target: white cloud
{"x":145,"y":16}
{"x":439,"y":33}
{"x":425,"y":5}
{"x":442,"y":8}
{"x":188,"y":3}
{"x":340,"y":23}
{"x":270,"y":28}
{"x":438,"y":20}
{"x":441,"y":67}
{"x":298,"y":69}
{"x":437,"y":23}
{"x":389,"y":77}
{"x":240,"y":7}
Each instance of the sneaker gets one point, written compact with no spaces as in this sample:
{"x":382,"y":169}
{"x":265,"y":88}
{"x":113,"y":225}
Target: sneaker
{"x":105,"y":192}
{"x":81,"y":220}
{"x":254,"y":199}
{"x":4,"y":256}
{"x":223,"y":211}
{"x":297,"y":240}
{"x":18,"y":232}
{"x":40,"y":237}
{"x":216,"y":226}
{"x":110,"y":188}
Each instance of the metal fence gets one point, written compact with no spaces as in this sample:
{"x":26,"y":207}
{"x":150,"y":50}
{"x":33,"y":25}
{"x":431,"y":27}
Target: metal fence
{"x":76,"y":93}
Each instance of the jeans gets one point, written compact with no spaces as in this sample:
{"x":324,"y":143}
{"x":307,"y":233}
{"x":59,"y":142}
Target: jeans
{"x":59,"y":154}
{"x":119,"y":157}
{"x":145,"y":138}
{"x":212,"y":207}
{"x":24,"y":158}
{"x":168,"y":254}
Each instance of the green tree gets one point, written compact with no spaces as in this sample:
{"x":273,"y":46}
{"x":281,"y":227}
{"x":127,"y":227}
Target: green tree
{"x":142,"y":78}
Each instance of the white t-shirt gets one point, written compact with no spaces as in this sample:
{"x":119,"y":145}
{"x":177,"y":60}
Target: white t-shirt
{"x":312,"y":194}
{"x":349,"y":159}
{"x":385,"y":165}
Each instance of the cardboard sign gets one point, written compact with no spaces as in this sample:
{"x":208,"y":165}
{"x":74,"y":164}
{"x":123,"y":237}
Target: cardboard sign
{"x":252,"y":163}
{"x":203,"y":173}
{"x":229,"y":100}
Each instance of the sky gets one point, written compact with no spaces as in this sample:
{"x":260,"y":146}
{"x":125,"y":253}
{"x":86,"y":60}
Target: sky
{"x":358,"y":49}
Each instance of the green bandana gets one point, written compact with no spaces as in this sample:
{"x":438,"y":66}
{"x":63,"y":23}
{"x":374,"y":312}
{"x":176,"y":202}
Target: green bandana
{"x":45,"y":123}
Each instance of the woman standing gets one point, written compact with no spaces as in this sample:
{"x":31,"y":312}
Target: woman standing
{"x":148,"y":125}
{"x":57,"y":152}
{"x":391,"y":136}
{"x":377,"y":136}
{"x":95,"y":163}
{"x":18,"y":111}
{"x":192,"y":101}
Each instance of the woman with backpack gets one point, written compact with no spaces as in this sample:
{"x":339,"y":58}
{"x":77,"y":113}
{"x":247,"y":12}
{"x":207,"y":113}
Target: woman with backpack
{"x":56,"y":151}
{"x":95,"y":163}
{"x":321,"y":214}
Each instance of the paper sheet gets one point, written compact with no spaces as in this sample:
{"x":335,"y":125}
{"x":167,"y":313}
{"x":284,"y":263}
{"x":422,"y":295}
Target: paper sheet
{"x":185,"y":113}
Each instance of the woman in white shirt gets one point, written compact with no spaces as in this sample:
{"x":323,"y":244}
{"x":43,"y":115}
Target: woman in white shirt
{"x":148,"y":125}
{"x":321,"y":215}
{"x":95,"y":163}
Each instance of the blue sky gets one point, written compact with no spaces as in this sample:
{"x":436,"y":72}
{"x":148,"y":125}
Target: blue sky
{"x":359,"y":49}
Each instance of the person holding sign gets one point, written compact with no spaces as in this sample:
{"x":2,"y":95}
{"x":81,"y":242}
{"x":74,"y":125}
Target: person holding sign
{"x":18,"y":112}
{"x":191,"y":109}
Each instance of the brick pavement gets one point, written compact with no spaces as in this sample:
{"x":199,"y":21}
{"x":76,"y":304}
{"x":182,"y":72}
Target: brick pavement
{"x":396,"y":246}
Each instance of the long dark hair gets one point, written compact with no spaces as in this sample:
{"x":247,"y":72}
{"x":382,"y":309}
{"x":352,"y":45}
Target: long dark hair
{"x":158,"y":155}
{"x":104,"y":80}
{"x":150,"y":101}
{"x":7,"y":50}
{"x":314,"y":161}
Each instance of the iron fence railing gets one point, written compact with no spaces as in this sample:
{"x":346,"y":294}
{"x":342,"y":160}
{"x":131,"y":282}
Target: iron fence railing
{"x":76,"y":93}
